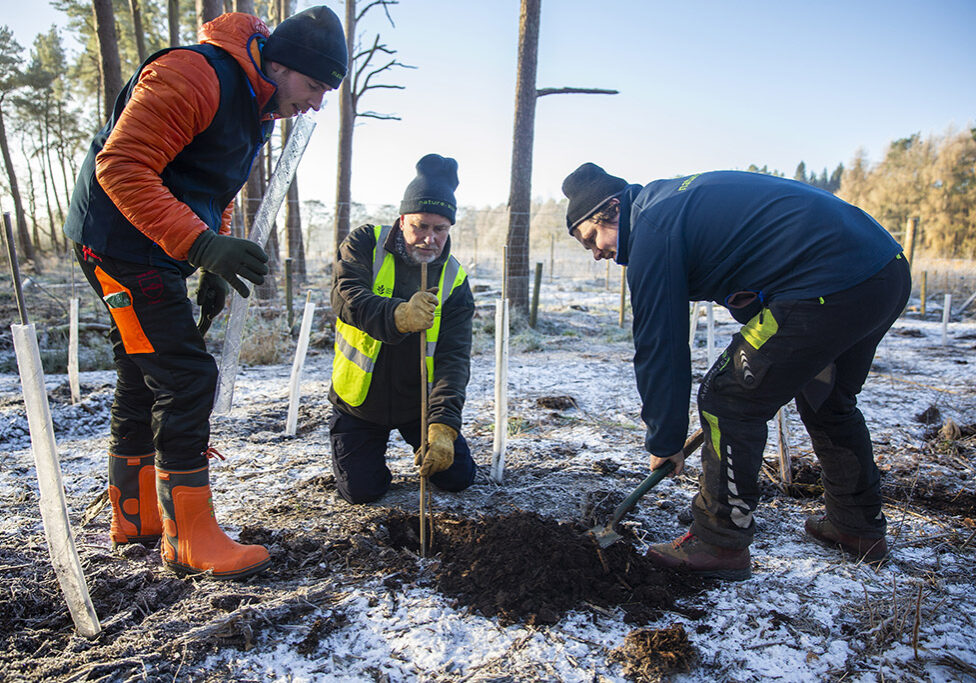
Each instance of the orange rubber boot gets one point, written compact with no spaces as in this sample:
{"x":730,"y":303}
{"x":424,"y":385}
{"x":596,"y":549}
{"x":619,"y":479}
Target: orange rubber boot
{"x":132,"y":492}
{"x":192,"y":541}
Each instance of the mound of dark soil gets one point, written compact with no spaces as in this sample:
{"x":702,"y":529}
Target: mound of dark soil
{"x":931,"y":496}
{"x":525,"y":568}
{"x":556,"y":402}
{"x":806,"y":481}
{"x":652,"y":654}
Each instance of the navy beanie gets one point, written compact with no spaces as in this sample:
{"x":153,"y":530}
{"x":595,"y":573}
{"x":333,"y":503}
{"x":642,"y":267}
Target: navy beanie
{"x":588,"y":188}
{"x":311,"y":42}
{"x":432,"y":191}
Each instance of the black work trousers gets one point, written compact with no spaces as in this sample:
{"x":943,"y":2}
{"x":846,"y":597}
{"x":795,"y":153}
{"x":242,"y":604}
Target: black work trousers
{"x":818,"y":351}
{"x":166,"y":379}
{"x":359,"y":458}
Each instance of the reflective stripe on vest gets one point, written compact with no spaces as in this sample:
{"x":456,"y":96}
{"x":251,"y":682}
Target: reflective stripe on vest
{"x":356,"y":352}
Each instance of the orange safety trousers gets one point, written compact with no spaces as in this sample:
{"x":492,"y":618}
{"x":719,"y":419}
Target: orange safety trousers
{"x":166,"y":379}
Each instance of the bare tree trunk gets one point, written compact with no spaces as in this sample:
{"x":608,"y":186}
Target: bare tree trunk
{"x":268,"y":290}
{"x":23,"y":236}
{"x":173,"y":12}
{"x":46,"y":146}
{"x":252,"y":195}
{"x":246,"y":6}
{"x":293,"y":227}
{"x":137,"y":30}
{"x":32,"y":202}
{"x":108,"y":47}
{"x":293,"y":219}
{"x":38,"y":154}
{"x":347,"y":121}
{"x":208,"y":10}
{"x":63,"y":155}
{"x":520,"y":193}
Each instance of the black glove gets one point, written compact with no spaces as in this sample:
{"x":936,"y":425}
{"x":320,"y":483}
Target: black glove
{"x":229,"y":257}
{"x":211,"y":296}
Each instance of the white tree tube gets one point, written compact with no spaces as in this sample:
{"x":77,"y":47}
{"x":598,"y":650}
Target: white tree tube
{"x":274,"y":196}
{"x":73,"y":352}
{"x":946,"y":307}
{"x":501,"y":391}
{"x":54,"y":507}
{"x":294,"y":395}
{"x":693,"y":324}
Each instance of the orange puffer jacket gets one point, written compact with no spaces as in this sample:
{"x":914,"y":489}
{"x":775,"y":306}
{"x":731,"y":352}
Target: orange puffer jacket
{"x":175,"y":99}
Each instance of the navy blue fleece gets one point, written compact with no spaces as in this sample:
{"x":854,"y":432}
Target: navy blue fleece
{"x":707,"y":236}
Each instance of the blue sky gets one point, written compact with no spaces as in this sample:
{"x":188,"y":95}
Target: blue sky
{"x":703,"y":85}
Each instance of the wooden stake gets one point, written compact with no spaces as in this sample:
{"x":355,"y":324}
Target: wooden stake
{"x":710,"y":332}
{"x":623,"y":296}
{"x":552,"y":257}
{"x":501,"y":377}
{"x":423,"y":422}
{"x":911,"y":227}
{"x":534,"y":308}
{"x":785,"y":460}
{"x":918,"y":620}
{"x":923,"y":292}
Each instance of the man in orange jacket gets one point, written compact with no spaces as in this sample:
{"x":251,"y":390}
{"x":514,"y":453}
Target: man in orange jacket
{"x":152,"y":204}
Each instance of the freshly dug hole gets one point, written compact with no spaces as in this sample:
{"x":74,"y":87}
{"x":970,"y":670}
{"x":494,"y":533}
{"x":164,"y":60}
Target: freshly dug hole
{"x":525,"y":568}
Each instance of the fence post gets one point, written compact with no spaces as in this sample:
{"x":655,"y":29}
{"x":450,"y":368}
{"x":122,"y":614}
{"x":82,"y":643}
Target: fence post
{"x":710,"y":331}
{"x":534,"y":314}
{"x":911,"y":226}
{"x":623,"y":295}
{"x":923,"y":292}
{"x":288,"y":301}
{"x":552,"y":257}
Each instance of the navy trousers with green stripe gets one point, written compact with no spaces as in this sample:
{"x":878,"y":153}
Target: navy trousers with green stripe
{"x":818,"y":352}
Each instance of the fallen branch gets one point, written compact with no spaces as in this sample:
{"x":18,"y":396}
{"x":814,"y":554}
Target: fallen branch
{"x":918,"y":619}
{"x":237,"y":621}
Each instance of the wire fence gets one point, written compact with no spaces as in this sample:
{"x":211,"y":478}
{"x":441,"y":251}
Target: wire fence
{"x":478,"y":241}
{"x":479,"y":236}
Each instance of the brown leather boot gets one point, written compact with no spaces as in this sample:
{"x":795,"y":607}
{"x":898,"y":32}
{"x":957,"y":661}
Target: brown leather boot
{"x":192,"y":541}
{"x":132,"y":492}
{"x":863,"y":548}
{"x":692,"y":555}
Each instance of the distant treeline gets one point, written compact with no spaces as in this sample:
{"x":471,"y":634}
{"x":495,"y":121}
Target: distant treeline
{"x":932,"y":179}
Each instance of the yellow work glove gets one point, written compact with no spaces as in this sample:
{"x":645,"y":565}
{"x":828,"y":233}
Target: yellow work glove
{"x":440,"y":450}
{"x":417,"y":314}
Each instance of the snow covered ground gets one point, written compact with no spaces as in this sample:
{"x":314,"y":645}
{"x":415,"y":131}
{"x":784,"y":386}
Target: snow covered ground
{"x":807,"y":614}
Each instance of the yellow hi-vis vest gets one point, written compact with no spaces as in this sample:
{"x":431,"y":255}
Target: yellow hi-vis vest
{"x":356,"y":352}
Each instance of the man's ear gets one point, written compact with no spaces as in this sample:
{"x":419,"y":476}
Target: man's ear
{"x":274,"y":69}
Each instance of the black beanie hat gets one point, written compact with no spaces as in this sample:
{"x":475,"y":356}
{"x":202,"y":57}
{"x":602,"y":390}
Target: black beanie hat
{"x":311,"y":42}
{"x":432,"y":191}
{"x":588,"y":188}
